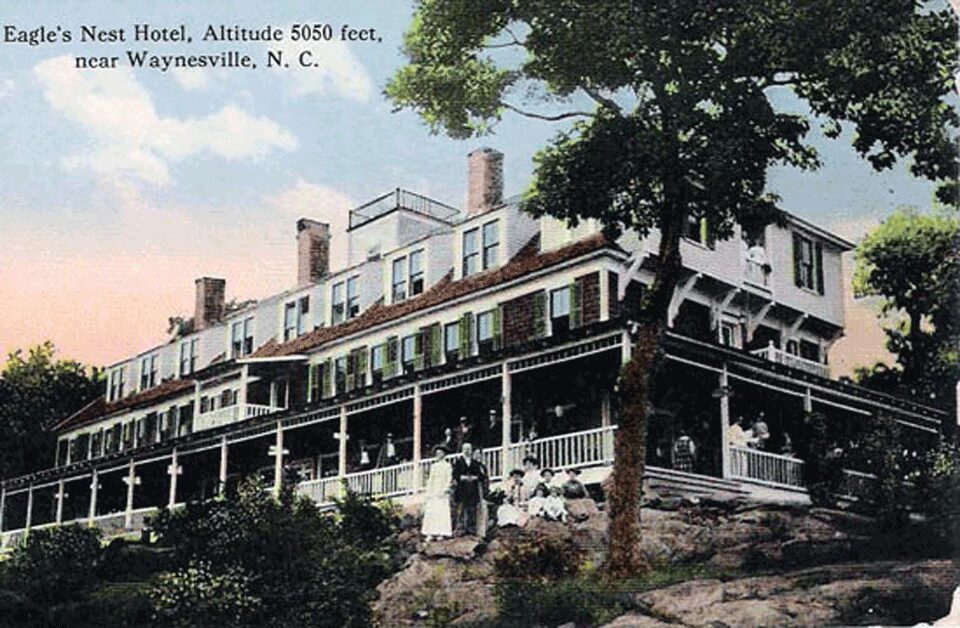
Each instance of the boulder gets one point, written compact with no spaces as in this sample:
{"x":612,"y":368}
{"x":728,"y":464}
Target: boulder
{"x":459,"y":548}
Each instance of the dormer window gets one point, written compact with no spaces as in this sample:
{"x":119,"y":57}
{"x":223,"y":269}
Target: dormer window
{"x":241,"y":338}
{"x":491,"y":243}
{"x":345,"y":300}
{"x":473,"y":260}
{"x":115,"y":391}
{"x":148,"y":371}
{"x":353,"y":298}
{"x":407,"y":276}
{"x":471,"y":253}
{"x":338,"y":307}
{"x":295,"y":318}
{"x":188,"y":356}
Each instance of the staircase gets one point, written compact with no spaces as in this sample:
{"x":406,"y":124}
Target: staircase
{"x":670,"y":483}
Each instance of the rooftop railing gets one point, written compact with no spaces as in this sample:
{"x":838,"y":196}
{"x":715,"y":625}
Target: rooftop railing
{"x":402,"y":199}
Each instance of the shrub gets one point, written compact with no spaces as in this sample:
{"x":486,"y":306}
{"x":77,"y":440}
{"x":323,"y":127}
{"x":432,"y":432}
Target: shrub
{"x":539,"y":559}
{"x":198,"y":595}
{"x":54,"y":568}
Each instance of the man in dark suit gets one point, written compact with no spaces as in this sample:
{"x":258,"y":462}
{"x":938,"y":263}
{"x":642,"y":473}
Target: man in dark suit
{"x":469,"y":477}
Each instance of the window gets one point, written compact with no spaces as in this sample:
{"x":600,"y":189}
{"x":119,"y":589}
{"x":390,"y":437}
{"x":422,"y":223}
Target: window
{"x":730,"y":334}
{"x":399,"y":279}
{"x":148,"y":372}
{"x":116,"y":384}
{"x":560,"y":310}
{"x":792,"y":347}
{"x":491,"y":242}
{"x":353,"y":298}
{"x":188,"y":356}
{"x":340,"y":374}
{"x":377,"y":360}
{"x":488,"y":331}
{"x":408,"y":352}
{"x":698,"y":230}
{"x":471,"y":254}
{"x":809,"y":351}
{"x":416,"y":273}
{"x":289,"y":321}
{"x":807,"y":263}
{"x":241,"y":338}
{"x":337,"y":309}
{"x":303,"y":308}
{"x":451,"y":340}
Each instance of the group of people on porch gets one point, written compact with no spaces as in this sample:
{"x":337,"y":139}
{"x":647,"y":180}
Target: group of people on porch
{"x":756,"y":435}
{"x":457,"y":492}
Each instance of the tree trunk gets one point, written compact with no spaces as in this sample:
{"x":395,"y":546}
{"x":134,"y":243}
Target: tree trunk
{"x":623,"y":557}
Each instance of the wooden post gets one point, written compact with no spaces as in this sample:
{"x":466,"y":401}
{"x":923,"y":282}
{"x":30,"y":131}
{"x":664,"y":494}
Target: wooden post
{"x":174,"y":470}
{"x":342,"y":450}
{"x":242,"y":395}
{"x":94,"y":485}
{"x":278,"y":460}
{"x":3,"y":505}
{"x":131,"y":482}
{"x":506,"y":401}
{"x":221,"y":489}
{"x":807,"y":401}
{"x":604,"y":295}
{"x":724,"y":422}
{"x":29,"y":507}
{"x":60,"y":487}
{"x":417,"y":437}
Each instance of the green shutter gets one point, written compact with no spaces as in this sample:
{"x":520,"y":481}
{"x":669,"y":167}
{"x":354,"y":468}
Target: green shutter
{"x":818,"y":267}
{"x":361,"y":367}
{"x":466,"y":335}
{"x":351,"y":377}
{"x":797,"y":260}
{"x":390,"y":361}
{"x":540,"y":314}
{"x":326,"y":378}
{"x":704,"y":232}
{"x":576,"y":304}
{"x":497,"y":334}
{"x":311,"y":383}
{"x":436,"y":344}
{"x":418,"y":349}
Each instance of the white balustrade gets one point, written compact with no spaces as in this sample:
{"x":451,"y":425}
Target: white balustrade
{"x":754,"y":272}
{"x":773,"y":354}
{"x":322,"y":491}
{"x":762,"y":466}
{"x":384,"y":482}
{"x":857,"y":485}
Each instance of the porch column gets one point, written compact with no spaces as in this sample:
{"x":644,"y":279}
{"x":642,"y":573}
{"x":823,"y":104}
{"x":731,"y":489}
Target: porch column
{"x":60,"y":487}
{"x":606,"y":409}
{"x":604,"y":295}
{"x":131,"y":481}
{"x":277,"y":451}
{"x":626,"y":348}
{"x":222,"y":477}
{"x":506,"y":390}
{"x":417,"y":436}
{"x":807,"y":401}
{"x":242,"y":394}
{"x":94,"y":485}
{"x":342,"y":451}
{"x":724,"y":422}
{"x":3,"y":505}
{"x":174,"y":470}
{"x":29,"y":520}
{"x":273,"y":394}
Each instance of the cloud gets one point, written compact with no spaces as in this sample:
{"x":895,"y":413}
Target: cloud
{"x":310,"y":200}
{"x":132,"y":138}
{"x":335,"y":69}
{"x":7,"y":87}
{"x":191,"y":79}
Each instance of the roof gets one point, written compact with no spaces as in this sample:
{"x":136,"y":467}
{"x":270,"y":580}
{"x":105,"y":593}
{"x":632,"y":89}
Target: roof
{"x":528,"y":260}
{"x":842,"y":243}
{"x":100,"y":407}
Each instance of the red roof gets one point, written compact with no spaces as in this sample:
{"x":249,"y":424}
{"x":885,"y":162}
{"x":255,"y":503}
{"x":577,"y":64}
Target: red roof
{"x":100,"y":407}
{"x":526,"y":261}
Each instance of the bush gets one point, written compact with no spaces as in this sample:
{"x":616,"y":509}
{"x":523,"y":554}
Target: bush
{"x":539,"y":559}
{"x":53,"y":569}
{"x":307,"y":568}
{"x":198,"y":595}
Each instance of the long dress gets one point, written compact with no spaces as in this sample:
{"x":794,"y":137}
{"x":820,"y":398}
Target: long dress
{"x":436,"y":509}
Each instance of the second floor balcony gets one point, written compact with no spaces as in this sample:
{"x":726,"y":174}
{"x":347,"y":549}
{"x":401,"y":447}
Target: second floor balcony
{"x":774,"y":354}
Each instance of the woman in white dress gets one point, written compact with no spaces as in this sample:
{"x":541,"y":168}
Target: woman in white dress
{"x":436,"y":508}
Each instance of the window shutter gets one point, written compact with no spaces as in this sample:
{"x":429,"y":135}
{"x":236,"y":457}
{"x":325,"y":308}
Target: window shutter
{"x":311,"y":383}
{"x":326,"y":378}
{"x":540,"y":314}
{"x":818,"y":266}
{"x":497,"y":335}
{"x":704,"y":232}
{"x":436,"y":344}
{"x":576,"y":304}
{"x":361,"y":367}
{"x":350,"y":380}
{"x":419,"y":350}
{"x":390,"y":363}
{"x":797,"y":260}
{"x":466,"y":335}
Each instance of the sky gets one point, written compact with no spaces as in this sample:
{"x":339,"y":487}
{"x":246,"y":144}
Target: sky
{"x":121,"y":186}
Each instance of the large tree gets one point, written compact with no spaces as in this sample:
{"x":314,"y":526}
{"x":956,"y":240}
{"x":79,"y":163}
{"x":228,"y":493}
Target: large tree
{"x":670,"y":111}
{"x":912,"y":262}
{"x":37,"y":390}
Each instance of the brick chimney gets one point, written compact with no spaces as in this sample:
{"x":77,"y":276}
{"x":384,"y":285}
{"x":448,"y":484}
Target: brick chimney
{"x":313,"y":251}
{"x":484,"y":180}
{"x":208,"y":309}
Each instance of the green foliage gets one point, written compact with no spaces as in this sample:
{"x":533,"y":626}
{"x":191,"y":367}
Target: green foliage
{"x":539,"y":559}
{"x":938,"y":488}
{"x":886,"y":459}
{"x":823,"y":468}
{"x":306,"y":568}
{"x":198,"y":595}
{"x":53,"y":569}
{"x":36,"y":392}
{"x":912,"y":261}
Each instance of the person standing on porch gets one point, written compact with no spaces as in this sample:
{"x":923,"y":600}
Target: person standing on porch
{"x":483,"y":512}
{"x":531,"y":476}
{"x":436,"y":507}
{"x":463,"y":433}
{"x":468,"y":479}
{"x":683,"y":455}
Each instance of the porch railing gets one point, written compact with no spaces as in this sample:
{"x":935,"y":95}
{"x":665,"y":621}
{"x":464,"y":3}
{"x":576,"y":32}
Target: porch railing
{"x":755,"y":273}
{"x":254,"y":410}
{"x":762,"y":466}
{"x":321,"y":491}
{"x":384,"y":482}
{"x":857,"y":485}
{"x":216,"y":418}
{"x":773,"y":354}
{"x":578,"y":449}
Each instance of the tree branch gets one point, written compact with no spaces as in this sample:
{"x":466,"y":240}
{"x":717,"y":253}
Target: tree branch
{"x":548,"y":118}
{"x":602,"y":100}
